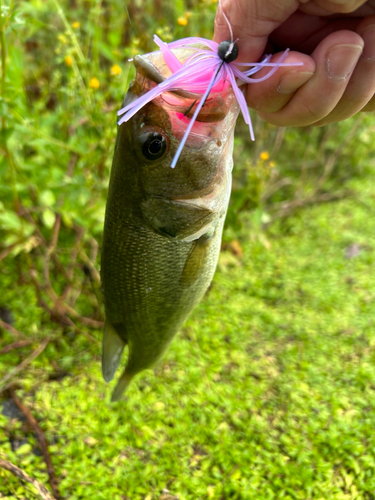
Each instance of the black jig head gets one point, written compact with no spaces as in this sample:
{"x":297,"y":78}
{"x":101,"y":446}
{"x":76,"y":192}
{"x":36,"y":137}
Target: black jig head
{"x":227,"y":51}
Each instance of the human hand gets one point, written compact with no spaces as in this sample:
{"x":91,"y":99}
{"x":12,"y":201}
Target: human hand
{"x":334,"y":39}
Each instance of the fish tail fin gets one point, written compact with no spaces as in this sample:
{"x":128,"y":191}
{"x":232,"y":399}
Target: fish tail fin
{"x":113,"y":346}
{"x":122,"y":385}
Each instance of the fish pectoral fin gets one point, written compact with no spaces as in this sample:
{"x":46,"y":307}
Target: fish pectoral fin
{"x":113,"y":345}
{"x":196,"y":260}
{"x":176,"y":219}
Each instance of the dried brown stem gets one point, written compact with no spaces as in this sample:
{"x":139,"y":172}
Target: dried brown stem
{"x":69,"y":172}
{"x":27,"y":215}
{"x":57,"y":316}
{"x":16,"y":471}
{"x":73,"y":257}
{"x":50,"y":249}
{"x":94,"y":249}
{"x":32,"y":242}
{"x":272,"y":188}
{"x":11,"y":329}
{"x":42,"y":441}
{"x":331,"y":161}
{"x":55,"y":234}
{"x":286,"y":208}
{"x":82,"y":332}
{"x":15,"y":345}
{"x":43,"y":241}
{"x":89,"y":263}
{"x":9,"y":249}
{"x":18,"y":369}
{"x":60,"y":308}
{"x":278,"y":141}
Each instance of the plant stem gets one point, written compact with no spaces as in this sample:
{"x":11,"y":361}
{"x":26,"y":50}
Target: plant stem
{"x":3,"y":49}
{"x":3,"y":61}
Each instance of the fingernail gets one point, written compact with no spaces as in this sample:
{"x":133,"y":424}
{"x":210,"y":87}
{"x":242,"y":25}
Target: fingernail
{"x":293,"y":81}
{"x":368,"y":36}
{"x":341,"y":61}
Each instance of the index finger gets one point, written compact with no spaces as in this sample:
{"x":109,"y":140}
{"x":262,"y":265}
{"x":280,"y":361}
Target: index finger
{"x":252,"y":22}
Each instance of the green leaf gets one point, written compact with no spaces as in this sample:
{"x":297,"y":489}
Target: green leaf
{"x":47,"y":198}
{"x":49,"y":218}
{"x":10,"y":221}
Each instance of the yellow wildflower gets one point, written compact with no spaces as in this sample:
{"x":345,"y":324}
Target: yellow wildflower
{"x":94,"y":83}
{"x":76,"y":25}
{"x":210,"y":491}
{"x":272,"y":164}
{"x":264,"y":155}
{"x":188,"y":15}
{"x":68,"y":60}
{"x":159,"y":405}
{"x":62,"y":39}
{"x":182,"y":21}
{"x":116,"y":70}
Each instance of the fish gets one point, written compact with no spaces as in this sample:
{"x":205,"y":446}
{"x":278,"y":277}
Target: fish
{"x":163,"y":226}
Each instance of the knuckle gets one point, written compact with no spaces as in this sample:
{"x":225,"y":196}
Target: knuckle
{"x":313,"y":112}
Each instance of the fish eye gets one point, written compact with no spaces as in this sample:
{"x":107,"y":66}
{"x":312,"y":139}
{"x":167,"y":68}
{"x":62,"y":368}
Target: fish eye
{"x":154,"y":146}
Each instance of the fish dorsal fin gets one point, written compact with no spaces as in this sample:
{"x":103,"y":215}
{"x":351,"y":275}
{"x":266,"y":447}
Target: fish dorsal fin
{"x":113,"y":346}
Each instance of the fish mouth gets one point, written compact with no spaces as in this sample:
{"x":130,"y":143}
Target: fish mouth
{"x":152,"y":66}
{"x":144,"y":66}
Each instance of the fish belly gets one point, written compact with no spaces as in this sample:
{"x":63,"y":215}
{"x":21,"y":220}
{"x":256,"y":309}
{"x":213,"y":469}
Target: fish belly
{"x":151,"y":283}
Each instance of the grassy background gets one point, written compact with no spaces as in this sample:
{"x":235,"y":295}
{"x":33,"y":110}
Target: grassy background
{"x":268,"y":391}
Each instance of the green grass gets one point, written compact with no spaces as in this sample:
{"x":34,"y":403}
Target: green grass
{"x":268,"y":392}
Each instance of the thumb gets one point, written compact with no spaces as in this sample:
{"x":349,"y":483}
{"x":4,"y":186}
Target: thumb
{"x":252,"y":22}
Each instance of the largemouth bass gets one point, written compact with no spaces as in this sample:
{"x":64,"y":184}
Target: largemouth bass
{"x":163,"y":226}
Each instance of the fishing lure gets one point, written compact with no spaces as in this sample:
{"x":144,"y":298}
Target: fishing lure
{"x":211,"y":69}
